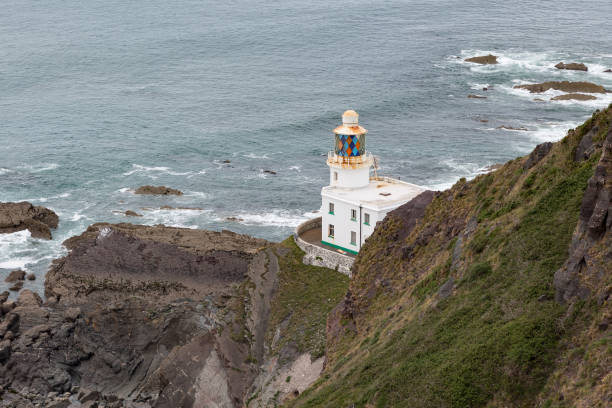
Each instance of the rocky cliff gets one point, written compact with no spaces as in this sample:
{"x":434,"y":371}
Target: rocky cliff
{"x":493,"y":293}
{"x":140,"y":316}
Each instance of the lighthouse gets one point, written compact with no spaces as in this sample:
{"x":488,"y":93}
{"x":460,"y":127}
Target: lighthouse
{"x":354,"y":201}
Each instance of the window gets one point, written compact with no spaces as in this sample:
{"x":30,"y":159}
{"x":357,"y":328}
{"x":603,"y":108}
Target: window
{"x":354,"y":215}
{"x":331,"y":208}
{"x":366,"y":219}
{"x":330,"y":231}
{"x":353,"y":238}
{"x":335,"y":176}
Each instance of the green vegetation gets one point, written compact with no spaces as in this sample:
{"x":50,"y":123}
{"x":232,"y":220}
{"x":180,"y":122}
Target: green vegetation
{"x":305,"y":296}
{"x":496,"y":340}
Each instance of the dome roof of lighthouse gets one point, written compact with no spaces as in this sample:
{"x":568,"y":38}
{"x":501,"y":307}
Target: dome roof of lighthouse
{"x":350,"y":124}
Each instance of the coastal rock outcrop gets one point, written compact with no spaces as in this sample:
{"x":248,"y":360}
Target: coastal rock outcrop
{"x":38,"y":220}
{"x":573,"y":66}
{"x":483,"y":59}
{"x":157,"y":190}
{"x":573,"y":97}
{"x":141,"y":316}
{"x":136,"y":313}
{"x":565,"y":86}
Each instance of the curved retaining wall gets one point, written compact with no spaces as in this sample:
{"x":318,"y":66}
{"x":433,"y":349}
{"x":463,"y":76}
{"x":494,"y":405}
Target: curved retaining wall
{"x":317,"y":256}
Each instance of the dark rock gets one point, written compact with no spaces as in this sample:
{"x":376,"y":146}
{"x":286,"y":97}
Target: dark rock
{"x":30,"y":277}
{"x":226,"y":161}
{"x":573,"y":97}
{"x":483,"y":59}
{"x":16,"y":286}
{"x":447,"y":288}
{"x":35,"y":332}
{"x":5,"y":350}
{"x":270,"y":172}
{"x":72,"y":313}
{"x":20,"y":216}
{"x":585,"y":147}
{"x":7,"y":306}
{"x":564,"y":86}
{"x":14,"y":276}
{"x":85,"y":396}
{"x":603,"y":325}
{"x":29,"y":298}
{"x":234,"y":219}
{"x":594,"y":225}
{"x":10,"y":323}
{"x":574,"y":66}
{"x":158,"y":190}
{"x":537,"y":154}
{"x":60,"y":404}
{"x":608,"y":70}
{"x":130,"y":213}
{"x":4,"y":296}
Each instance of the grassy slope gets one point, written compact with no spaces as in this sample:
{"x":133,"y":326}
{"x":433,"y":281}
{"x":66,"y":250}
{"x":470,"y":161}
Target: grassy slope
{"x":496,"y":340}
{"x":305,"y":296}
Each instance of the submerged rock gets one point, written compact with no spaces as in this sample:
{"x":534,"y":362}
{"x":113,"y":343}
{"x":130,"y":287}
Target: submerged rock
{"x":573,"y":96}
{"x":574,"y":66}
{"x":565,"y":86}
{"x":157,"y":190}
{"x":483,"y":59}
{"x":472,"y":96}
{"x":38,"y":220}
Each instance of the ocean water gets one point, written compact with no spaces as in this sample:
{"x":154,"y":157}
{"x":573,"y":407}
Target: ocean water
{"x":100,"y":97}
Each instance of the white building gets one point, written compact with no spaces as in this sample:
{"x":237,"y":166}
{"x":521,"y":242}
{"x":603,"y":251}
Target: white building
{"x":355,"y":201}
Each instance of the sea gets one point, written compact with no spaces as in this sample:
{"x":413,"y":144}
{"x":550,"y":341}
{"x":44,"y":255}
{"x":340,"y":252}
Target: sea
{"x":234,"y":102}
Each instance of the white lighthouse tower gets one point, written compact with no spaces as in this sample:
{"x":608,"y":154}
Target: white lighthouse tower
{"x":354,"y":201}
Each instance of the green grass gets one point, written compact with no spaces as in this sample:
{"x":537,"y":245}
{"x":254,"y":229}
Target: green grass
{"x":495,"y":340}
{"x":306,"y":294}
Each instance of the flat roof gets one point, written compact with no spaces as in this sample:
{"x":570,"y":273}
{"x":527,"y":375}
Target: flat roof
{"x":381,"y":193}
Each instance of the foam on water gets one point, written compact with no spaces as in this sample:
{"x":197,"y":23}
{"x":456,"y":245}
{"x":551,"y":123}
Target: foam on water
{"x":154,"y":172}
{"x":276,"y":218}
{"x":183,"y":218}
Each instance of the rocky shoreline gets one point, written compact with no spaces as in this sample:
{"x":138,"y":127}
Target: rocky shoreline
{"x":141,"y":316}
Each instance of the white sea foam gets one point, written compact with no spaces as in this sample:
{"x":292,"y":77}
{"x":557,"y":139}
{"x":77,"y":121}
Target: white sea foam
{"x":254,"y":156}
{"x":46,"y":199}
{"x":183,"y":218}
{"x":14,"y":250}
{"x":296,"y":168}
{"x":5,"y":171}
{"x":549,"y":131}
{"x":477,"y":86}
{"x":198,"y":194}
{"x":39,"y":168}
{"x":276,"y":218}
{"x":457,"y":169}
{"x":153,"y":172}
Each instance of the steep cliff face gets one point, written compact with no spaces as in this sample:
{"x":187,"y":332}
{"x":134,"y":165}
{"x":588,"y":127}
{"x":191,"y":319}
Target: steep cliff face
{"x":492,"y":293}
